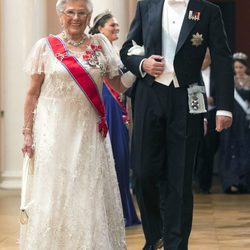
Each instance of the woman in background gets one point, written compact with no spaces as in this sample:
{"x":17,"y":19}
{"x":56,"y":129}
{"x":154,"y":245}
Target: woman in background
{"x":235,"y":142}
{"x":117,"y":119}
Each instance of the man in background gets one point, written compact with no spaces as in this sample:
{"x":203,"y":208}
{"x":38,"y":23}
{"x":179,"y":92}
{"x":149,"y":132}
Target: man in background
{"x":210,"y":141}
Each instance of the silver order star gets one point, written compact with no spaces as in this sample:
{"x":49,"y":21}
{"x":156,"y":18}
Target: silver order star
{"x":197,"y":39}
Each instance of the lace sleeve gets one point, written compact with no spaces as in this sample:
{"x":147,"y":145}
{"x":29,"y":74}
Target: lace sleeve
{"x":35,"y":62}
{"x":113,"y":62}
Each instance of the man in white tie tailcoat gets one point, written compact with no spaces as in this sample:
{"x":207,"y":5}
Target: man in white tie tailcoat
{"x":169,"y":106}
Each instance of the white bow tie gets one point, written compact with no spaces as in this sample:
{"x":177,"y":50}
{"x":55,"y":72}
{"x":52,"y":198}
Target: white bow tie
{"x":175,"y":1}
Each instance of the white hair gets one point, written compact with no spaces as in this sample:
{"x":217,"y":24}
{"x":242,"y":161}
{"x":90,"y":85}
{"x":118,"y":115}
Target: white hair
{"x":60,"y":5}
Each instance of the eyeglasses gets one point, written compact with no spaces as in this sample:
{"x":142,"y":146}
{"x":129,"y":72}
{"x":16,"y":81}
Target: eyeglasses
{"x":71,"y":13}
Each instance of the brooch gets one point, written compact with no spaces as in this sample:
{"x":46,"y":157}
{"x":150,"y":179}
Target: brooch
{"x":194,"y":102}
{"x":91,"y":54}
{"x":194,"y":15}
{"x":60,"y":56}
{"x":197,"y":39}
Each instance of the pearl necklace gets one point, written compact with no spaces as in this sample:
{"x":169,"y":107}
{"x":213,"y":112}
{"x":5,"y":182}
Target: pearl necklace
{"x":74,"y":43}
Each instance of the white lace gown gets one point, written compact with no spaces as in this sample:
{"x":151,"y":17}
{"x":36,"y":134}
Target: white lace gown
{"x":76,"y":201}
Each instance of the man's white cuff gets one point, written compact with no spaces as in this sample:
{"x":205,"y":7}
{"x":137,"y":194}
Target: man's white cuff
{"x":224,"y":113}
{"x":143,"y":74}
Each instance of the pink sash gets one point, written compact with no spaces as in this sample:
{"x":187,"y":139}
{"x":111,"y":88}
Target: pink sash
{"x":82,"y":78}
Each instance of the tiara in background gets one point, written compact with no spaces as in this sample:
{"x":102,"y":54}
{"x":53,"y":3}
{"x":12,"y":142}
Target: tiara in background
{"x":100,"y":16}
{"x":239,"y":56}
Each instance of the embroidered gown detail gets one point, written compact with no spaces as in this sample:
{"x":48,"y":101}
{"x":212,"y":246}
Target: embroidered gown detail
{"x":76,"y":201}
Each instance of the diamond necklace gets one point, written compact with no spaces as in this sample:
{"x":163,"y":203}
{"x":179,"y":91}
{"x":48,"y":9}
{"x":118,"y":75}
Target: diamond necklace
{"x":74,"y":43}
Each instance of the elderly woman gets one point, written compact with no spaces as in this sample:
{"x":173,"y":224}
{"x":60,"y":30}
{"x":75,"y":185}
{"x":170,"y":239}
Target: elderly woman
{"x":75,"y":196}
{"x":235,"y":142}
{"x":117,"y":118}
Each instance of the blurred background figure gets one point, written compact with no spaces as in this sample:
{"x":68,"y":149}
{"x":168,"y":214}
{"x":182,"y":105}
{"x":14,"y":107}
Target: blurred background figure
{"x":235,"y":142}
{"x":118,"y":119}
{"x":209,"y":143}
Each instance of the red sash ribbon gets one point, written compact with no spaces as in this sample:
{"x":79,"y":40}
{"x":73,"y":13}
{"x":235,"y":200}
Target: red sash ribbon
{"x":117,"y":97}
{"x":82,"y":78}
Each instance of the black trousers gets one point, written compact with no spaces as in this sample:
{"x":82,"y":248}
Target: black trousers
{"x":207,"y":150}
{"x":165,"y":143}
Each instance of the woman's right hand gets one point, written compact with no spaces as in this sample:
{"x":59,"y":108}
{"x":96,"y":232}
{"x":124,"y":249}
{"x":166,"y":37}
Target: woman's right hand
{"x":28,"y":146}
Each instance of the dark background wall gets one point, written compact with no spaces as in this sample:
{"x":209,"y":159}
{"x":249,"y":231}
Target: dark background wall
{"x":236,"y":16}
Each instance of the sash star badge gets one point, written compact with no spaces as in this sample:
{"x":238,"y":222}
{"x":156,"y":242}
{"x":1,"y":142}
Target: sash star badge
{"x":194,"y":15}
{"x":197,"y":39}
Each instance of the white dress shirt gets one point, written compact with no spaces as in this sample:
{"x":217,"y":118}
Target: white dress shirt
{"x":206,"y":79}
{"x":172,"y":19}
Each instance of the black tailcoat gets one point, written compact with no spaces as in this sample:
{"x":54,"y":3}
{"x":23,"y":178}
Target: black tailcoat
{"x":165,"y":138}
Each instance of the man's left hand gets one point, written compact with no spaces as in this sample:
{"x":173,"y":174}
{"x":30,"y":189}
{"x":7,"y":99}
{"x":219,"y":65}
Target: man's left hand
{"x":223,"y":122}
